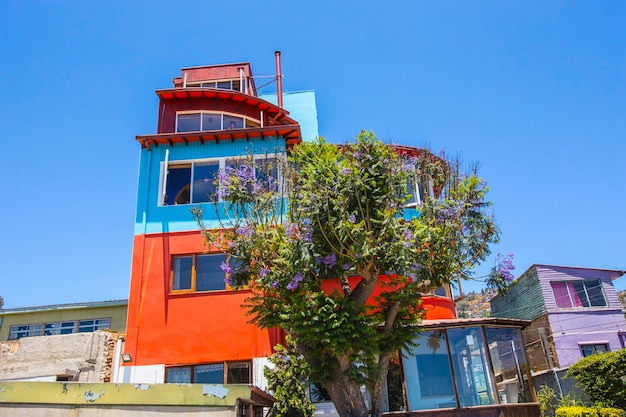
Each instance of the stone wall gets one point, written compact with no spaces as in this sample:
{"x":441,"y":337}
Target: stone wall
{"x":80,"y":357}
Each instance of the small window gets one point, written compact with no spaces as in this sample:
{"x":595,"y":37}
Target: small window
{"x":592,"y":349}
{"x":212,"y":373}
{"x":25,"y":330}
{"x":87,"y":326}
{"x":197,"y":273}
{"x":65,"y":327}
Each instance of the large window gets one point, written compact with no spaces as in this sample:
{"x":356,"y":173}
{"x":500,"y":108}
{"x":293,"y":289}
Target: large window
{"x":205,"y":121}
{"x":59,"y":327}
{"x":214,"y":373}
{"x":195,"y":273}
{"x":581,"y":293}
{"x":193,"y":182}
{"x":466,"y":367}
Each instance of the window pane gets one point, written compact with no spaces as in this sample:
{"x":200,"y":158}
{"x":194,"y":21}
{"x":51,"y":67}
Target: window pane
{"x":224,"y":85}
{"x":231,"y":122}
{"x":86,"y":326}
{"x":427,"y":370}
{"x":204,"y":181}
{"x":208,"y":84}
{"x":471,"y":373}
{"x":594,"y":291}
{"x":236,"y":85}
{"x":509,"y":365}
{"x":181,"y":266}
{"x":266,"y":174}
{"x":188,"y":123}
{"x":410,"y":190}
{"x":26,"y":330}
{"x":209,"y":374}
{"x":66,"y":327}
{"x":178,"y":184}
{"x":580,"y":294}
{"x":209,"y":275}
{"x":238,"y":373}
{"x":211,"y":121}
{"x":179,"y":375}
{"x":561,"y":296}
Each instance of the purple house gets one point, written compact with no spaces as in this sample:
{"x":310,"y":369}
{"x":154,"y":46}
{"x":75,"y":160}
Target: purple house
{"x":575,"y":312}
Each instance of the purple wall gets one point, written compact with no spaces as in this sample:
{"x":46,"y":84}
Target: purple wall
{"x":573,"y":327}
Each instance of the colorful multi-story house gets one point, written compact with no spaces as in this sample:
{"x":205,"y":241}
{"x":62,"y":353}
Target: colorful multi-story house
{"x":185,"y":325}
{"x":575,"y":312}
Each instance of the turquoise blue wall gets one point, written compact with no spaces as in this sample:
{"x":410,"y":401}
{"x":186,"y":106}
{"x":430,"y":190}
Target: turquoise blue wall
{"x":302,"y":108}
{"x":152,"y":218}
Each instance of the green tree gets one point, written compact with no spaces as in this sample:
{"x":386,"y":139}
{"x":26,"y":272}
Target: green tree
{"x":286,"y":380}
{"x":344,"y":215}
{"x":603,"y":377}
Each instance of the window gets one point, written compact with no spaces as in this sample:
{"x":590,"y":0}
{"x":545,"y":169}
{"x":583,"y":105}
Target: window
{"x":588,"y":350}
{"x":86,"y":326}
{"x":418,"y":190}
{"x":223,"y":85}
{"x":205,"y":121}
{"x":193,"y":182}
{"x":25,"y":330}
{"x":196,"y":273}
{"x":59,"y":327}
{"x":581,"y":293}
{"x":63,"y":327}
{"x":214,"y":373}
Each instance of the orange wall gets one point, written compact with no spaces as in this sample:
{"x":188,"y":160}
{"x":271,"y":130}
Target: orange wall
{"x":187,"y":328}
{"x":200,"y":327}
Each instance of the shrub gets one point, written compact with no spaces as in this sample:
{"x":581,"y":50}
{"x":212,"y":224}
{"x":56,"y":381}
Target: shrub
{"x":603,"y":377}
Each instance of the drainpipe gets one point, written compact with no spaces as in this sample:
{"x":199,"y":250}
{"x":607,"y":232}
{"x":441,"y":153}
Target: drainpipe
{"x":279,"y":80}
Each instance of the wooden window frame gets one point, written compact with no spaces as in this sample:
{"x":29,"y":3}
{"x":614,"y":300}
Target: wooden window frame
{"x":193,"y":290}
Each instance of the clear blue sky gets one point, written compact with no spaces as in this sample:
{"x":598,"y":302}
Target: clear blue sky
{"x":533,"y":90}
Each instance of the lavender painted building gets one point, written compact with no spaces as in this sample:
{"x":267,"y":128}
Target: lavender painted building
{"x":575,"y":312}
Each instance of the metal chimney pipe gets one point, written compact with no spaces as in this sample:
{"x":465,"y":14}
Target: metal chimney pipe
{"x":279,"y":80}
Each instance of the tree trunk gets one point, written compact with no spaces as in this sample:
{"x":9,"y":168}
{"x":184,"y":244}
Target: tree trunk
{"x":378,"y":387}
{"x":345,"y":393}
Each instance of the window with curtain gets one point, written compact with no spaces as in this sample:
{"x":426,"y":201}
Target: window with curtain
{"x":580,"y":293}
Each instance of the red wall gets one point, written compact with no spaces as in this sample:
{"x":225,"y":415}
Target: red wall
{"x":190,"y":328}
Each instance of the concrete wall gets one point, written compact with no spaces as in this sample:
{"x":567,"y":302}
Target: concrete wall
{"x":85,"y":357}
{"x":54,"y":399}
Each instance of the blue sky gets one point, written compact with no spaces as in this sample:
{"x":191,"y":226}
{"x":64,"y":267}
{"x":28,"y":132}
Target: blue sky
{"x":533,"y":90}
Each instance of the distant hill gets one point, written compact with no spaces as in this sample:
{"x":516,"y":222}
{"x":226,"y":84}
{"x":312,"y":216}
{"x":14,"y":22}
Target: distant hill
{"x":475,"y":304}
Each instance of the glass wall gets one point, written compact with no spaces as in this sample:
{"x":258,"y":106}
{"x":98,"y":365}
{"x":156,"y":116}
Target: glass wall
{"x":509,"y":365}
{"x":466,"y":367}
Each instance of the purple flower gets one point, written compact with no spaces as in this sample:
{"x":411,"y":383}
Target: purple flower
{"x":264,"y":271}
{"x":291,"y":230}
{"x":346,"y":266}
{"x":226,"y":268}
{"x":345,"y":171}
{"x":352,"y":218}
{"x":297,"y":279}
{"x":245,"y":231}
{"x":504,"y":266}
{"x":274,"y":284}
{"x":330,"y":260}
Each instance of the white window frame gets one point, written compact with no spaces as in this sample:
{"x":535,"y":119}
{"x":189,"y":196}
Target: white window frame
{"x":165,"y":165}
{"x":245,"y":119}
{"x":416,"y":191}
